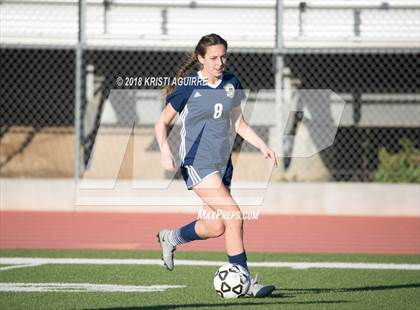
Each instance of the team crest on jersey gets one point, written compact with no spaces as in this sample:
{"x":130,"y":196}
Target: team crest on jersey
{"x":230,"y":90}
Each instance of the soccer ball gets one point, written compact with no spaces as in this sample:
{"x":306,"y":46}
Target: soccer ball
{"x":231,"y":281}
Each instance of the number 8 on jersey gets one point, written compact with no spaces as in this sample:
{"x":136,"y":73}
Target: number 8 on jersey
{"x":218,"y":108}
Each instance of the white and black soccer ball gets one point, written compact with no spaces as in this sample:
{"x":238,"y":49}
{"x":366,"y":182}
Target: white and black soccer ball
{"x":231,"y":281}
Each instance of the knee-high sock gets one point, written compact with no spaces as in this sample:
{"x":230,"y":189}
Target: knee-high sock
{"x":239,"y":259}
{"x":183,"y":234}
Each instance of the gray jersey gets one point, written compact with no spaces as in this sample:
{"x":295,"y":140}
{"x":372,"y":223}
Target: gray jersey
{"x":205,"y":112}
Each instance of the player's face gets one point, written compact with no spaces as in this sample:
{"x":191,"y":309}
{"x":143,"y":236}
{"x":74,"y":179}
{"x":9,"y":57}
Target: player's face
{"x":214,"y":61}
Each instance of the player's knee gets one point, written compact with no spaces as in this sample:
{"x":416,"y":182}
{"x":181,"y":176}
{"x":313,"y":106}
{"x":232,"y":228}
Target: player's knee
{"x":218,"y":229}
{"x":235,"y":221}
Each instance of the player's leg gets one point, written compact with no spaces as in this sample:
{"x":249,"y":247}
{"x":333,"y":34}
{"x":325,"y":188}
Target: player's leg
{"x":217,"y":196}
{"x":210,"y":226}
{"x":170,"y":238}
{"x":202,"y":229}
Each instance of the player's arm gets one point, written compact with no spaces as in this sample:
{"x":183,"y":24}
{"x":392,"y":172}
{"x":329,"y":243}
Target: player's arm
{"x":248,"y":134}
{"x":161,"y":133}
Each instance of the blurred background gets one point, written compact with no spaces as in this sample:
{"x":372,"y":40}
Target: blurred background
{"x":334,"y":88}
{"x":62,"y":62}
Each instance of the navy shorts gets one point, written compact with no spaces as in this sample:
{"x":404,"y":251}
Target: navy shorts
{"x":194,"y":174}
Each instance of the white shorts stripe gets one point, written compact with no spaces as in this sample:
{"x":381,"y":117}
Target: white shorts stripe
{"x":183,"y":116}
{"x":192,"y":176}
{"x":195,"y":173}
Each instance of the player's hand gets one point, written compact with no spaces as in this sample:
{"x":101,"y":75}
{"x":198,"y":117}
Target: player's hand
{"x":167,"y":161}
{"x":269,"y":153}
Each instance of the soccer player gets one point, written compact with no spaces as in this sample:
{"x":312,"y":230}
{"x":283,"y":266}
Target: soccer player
{"x":208,"y":111}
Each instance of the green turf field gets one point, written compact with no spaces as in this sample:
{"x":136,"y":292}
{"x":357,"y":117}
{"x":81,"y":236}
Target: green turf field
{"x":314,"y":288}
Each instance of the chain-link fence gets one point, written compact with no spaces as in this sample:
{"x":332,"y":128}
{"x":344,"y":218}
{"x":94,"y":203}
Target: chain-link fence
{"x":365,"y":52}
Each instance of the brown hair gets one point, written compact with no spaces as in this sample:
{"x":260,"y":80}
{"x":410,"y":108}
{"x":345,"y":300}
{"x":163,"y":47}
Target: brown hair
{"x":192,"y":59}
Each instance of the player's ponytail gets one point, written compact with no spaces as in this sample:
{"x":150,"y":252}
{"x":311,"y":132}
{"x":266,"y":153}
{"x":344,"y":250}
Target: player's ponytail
{"x":192,"y":59}
{"x":186,"y":68}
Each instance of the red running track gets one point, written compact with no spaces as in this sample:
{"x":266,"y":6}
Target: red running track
{"x":271,"y":233}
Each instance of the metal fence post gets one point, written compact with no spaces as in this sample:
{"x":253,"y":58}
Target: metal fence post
{"x":278,"y":78}
{"x":78,"y":86}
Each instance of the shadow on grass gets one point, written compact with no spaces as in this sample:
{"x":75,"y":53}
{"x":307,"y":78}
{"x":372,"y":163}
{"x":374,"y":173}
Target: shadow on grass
{"x":224,"y":305}
{"x":273,"y":298}
{"x":345,"y":290}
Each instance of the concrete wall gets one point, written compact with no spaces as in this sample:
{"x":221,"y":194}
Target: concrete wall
{"x":276,"y":198}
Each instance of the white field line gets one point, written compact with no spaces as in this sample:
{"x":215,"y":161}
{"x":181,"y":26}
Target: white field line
{"x":30,"y":261}
{"x":82,"y":287}
{"x":18,"y":266}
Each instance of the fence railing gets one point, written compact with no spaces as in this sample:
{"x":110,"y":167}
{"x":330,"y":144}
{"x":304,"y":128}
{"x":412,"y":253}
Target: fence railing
{"x":246,"y":24}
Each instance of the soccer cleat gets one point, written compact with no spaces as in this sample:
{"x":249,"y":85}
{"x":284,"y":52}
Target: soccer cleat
{"x":167,"y":249}
{"x":259,"y":290}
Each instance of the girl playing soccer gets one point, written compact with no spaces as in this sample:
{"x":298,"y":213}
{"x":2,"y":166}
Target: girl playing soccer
{"x":207,"y":112}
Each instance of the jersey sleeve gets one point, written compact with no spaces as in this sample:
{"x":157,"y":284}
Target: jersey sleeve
{"x":239,"y":93}
{"x":178,"y":98}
